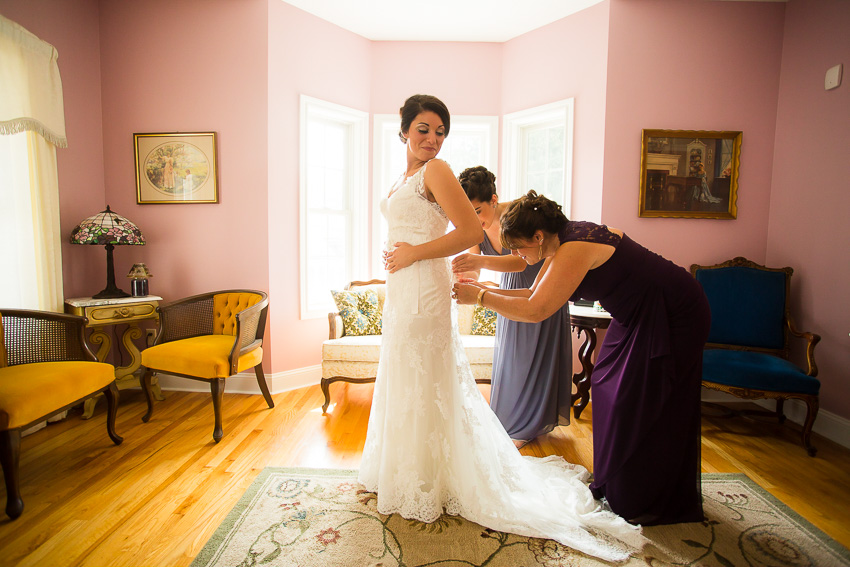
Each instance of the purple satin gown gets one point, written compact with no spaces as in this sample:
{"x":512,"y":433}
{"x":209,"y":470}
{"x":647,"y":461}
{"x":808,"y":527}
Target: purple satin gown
{"x":645,"y":387}
{"x":531,"y":390}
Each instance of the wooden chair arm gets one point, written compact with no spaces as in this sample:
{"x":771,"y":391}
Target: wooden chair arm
{"x":812,"y":339}
{"x":335,"y":327}
{"x":250,"y":326}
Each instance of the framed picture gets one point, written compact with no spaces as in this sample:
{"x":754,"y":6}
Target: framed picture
{"x":176,"y":167}
{"x":689,"y":174}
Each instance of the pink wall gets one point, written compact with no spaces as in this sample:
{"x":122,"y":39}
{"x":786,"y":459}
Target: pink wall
{"x":810,"y":195}
{"x":72,"y":27}
{"x":337,"y":70}
{"x":692,"y":65}
{"x":190,"y":66}
{"x":565,"y":59}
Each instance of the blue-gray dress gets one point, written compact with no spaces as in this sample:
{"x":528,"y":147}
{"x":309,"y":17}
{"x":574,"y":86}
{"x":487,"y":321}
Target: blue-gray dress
{"x":532,"y":365}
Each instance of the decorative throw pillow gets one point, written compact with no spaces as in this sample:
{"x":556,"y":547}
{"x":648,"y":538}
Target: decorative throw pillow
{"x":360,"y":311}
{"x":483,"y":321}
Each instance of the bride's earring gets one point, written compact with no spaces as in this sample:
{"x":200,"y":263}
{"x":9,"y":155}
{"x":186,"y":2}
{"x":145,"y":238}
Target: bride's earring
{"x":540,"y":252}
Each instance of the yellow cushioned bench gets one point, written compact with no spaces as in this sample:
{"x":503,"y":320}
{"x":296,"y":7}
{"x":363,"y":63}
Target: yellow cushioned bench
{"x":45,"y":369}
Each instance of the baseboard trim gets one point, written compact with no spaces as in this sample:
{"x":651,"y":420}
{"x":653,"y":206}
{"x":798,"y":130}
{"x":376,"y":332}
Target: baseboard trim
{"x":246,"y":382}
{"x":827,"y":424}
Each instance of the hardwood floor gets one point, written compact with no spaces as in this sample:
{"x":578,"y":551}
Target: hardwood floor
{"x":157,"y":498}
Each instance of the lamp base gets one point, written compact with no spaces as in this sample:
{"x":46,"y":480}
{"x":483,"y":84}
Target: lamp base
{"x":113,"y":293}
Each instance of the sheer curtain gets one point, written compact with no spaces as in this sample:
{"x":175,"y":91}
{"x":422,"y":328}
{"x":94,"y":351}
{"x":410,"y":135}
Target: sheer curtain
{"x":32,"y":125}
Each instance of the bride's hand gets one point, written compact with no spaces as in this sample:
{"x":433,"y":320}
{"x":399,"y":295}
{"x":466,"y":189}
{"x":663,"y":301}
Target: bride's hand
{"x":399,"y":257}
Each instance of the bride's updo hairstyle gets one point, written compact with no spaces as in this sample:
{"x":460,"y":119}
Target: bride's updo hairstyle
{"x":478,"y":183}
{"x":416,"y":105}
{"x":528,"y":214}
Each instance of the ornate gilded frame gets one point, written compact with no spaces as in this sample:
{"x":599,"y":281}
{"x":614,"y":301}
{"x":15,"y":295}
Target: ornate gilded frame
{"x":672,"y":184}
{"x":176,"y":168}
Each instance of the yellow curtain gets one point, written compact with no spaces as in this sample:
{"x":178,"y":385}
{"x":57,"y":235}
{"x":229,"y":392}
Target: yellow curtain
{"x":31,"y":103}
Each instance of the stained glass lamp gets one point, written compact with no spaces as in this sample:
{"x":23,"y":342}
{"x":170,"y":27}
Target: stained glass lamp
{"x":109,"y":229}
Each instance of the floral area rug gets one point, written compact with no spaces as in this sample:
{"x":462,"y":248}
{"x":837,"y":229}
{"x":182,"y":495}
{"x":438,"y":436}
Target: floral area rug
{"x":316,"y":517}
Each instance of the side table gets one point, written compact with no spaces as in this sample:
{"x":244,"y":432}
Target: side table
{"x":102,"y":313}
{"x":586,"y":320}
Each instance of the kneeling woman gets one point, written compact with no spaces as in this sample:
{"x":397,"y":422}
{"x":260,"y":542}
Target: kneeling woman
{"x":646,"y":383}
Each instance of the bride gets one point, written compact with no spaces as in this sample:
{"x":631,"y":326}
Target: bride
{"x":433,"y":443}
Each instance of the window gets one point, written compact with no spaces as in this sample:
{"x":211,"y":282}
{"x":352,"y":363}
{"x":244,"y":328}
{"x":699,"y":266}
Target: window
{"x":333,"y":201}
{"x":18,"y":283}
{"x":538,"y":153}
{"x":472,"y":140}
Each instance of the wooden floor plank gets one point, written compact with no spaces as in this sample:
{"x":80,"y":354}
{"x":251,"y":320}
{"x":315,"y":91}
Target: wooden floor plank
{"x":157,"y":498}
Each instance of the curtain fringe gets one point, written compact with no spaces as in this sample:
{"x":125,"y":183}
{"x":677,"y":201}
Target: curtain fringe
{"x":31,"y":124}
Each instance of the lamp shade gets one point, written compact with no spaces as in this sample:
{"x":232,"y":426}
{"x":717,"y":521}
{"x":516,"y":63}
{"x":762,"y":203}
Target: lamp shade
{"x":108,"y":229}
{"x":139,"y":271}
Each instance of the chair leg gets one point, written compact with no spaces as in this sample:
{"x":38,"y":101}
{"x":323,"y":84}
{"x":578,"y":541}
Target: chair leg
{"x":812,"y":403}
{"x":147,"y":375}
{"x":780,"y":413}
{"x":217,"y":389}
{"x":111,"y":395}
{"x":261,"y":380}
{"x":326,"y":391}
{"x":10,"y":452}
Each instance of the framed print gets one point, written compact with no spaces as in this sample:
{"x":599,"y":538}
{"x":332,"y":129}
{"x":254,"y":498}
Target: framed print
{"x":689,"y":174}
{"x":176,"y":167}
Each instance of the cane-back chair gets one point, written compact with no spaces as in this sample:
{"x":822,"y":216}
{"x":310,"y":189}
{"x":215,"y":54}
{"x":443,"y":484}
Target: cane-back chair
{"x":747,"y":353}
{"x":209,"y":337}
{"x":45,"y":369}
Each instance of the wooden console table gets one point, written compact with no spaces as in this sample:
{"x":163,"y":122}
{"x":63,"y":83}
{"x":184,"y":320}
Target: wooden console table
{"x":586,"y":320}
{"x":102,"y":313}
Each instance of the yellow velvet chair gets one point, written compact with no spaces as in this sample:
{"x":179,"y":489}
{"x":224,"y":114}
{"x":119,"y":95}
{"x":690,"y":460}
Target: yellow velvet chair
{"x":209,"y":337}
{"x":45,"y":369}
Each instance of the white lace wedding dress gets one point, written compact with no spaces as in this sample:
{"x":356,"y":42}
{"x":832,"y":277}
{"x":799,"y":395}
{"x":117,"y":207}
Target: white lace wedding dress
{"x":434,"y":444}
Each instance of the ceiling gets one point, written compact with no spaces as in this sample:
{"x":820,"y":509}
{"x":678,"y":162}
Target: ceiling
{"x":441,"y":20}
{"x":445,"y":20}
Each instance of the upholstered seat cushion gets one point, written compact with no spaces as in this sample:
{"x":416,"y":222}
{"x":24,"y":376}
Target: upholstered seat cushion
{"x":367,"y":348}
{"x":206,"y":356}
{"x":31,"y":391}
{"x":756,"y":370}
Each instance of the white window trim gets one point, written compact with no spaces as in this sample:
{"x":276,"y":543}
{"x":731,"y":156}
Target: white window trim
{"x":512,"y":165}
{"x":358,"y":178}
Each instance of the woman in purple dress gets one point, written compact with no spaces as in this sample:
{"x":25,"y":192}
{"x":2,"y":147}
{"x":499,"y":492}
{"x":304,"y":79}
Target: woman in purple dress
{"x":646,"y":384}
{"x":531,"y":389}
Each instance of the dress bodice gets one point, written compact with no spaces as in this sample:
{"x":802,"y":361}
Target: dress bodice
{"x":411,"y":217}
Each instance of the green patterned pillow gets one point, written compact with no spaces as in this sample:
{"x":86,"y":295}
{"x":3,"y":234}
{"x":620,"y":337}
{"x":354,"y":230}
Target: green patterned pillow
{"x":360,"y":311}
{"x":483,"y":321}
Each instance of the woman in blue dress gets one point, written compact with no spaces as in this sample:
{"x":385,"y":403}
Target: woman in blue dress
{"x":531,"y":389}
{"x":645,"y":387}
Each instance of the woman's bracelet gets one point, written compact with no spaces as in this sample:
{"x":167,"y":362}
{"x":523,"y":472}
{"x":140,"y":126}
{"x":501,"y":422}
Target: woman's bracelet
{"x":481,"y":296}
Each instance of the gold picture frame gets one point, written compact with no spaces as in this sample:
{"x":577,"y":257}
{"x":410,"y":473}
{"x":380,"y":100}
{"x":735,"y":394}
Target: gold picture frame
{"x":176,"y":168}
{"x":689,"y":174}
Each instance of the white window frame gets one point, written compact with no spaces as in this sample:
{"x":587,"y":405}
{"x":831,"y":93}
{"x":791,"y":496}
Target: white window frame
{"x":389,"y":162}
{"x":517,"y":125}
{"x":357,"y":181}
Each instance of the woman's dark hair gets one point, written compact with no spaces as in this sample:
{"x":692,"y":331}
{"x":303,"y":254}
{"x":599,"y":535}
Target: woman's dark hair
{"x":416,"y":105}
{"x":478,"y":183}
{"x":528,"y":214}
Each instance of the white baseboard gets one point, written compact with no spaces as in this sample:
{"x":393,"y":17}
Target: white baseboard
{"x":246,"y":382}
{"x":833,"y":427}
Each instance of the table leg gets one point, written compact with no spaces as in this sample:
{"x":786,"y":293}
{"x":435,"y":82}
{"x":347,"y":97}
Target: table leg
{"x":582,"y":379}
{"x":124,"y":375}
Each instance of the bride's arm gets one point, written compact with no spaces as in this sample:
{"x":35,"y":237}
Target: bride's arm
{"x":446,"y":189}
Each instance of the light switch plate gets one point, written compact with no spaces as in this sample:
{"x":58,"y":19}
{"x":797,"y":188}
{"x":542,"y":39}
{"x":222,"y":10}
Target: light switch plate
{"x":833,"y":77}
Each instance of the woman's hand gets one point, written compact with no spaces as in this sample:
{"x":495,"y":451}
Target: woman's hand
{"x":399,"y":257}
{"x":466,"y":293}
{"x":466,"y":262}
